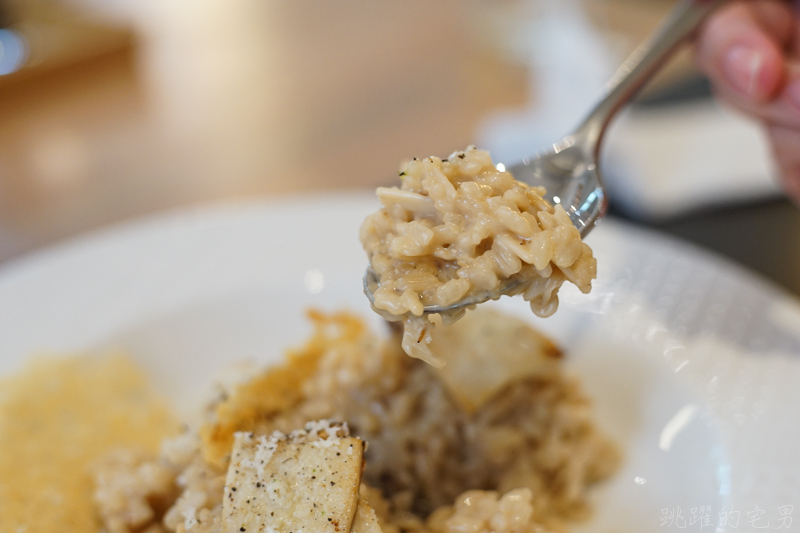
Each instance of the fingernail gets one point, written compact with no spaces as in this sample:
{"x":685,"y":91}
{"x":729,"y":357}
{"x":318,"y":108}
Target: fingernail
{"x":742,"y":66}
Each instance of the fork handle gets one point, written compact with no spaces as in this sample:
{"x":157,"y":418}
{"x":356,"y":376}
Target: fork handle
{"x":640,"y":66}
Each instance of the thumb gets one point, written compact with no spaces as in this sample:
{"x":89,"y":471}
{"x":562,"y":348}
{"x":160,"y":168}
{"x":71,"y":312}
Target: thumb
{"x":740,"y":49}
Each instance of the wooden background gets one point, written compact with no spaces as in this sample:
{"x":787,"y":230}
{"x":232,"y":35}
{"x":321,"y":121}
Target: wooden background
{"x":132,"y":107}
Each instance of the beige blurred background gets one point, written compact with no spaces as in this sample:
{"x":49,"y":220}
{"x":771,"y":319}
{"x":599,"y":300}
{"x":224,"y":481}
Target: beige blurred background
{"x":126,"y":107}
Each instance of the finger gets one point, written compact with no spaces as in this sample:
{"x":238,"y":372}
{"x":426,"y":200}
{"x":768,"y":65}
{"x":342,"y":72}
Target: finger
{"x":741,"y":48}
{"x":783,"y":110}
{"x":784,"y":143}
{"x":794,"y":47}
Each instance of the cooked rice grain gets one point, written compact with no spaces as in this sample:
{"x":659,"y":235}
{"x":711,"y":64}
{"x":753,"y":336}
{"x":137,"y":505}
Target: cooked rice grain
{"x":457,"y":228}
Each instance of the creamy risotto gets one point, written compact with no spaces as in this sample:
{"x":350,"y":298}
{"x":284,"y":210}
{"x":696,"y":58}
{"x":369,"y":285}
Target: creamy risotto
{"x":348,"y":435}
{"x":457,"y":228}
{"x":421,"y":450}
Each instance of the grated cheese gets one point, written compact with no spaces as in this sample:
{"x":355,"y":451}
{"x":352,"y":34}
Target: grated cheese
{"x":57,"y":417}
{"x":190,"y":518}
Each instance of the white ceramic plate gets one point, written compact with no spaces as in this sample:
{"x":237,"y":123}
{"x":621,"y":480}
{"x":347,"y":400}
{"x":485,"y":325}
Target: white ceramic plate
{"x":694,"y":365}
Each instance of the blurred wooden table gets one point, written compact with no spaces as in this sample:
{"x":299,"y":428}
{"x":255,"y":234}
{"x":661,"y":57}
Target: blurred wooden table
{"x":207,"y":101}
{"x":237,"y":98}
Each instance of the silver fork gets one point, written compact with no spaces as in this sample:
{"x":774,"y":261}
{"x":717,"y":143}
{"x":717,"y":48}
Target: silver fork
{"x":569,"y":171}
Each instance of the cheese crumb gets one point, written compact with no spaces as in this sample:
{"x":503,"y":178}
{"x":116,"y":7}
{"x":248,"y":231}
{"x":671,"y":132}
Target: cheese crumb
{"x":190,"y":518}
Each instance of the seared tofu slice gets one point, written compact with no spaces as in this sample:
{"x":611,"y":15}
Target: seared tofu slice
{"x":306,"y":482}
{"x":487,"y":350}
{"x":365,"y":521}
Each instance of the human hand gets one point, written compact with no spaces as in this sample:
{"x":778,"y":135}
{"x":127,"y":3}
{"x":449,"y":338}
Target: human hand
{"x":751,"y":52}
